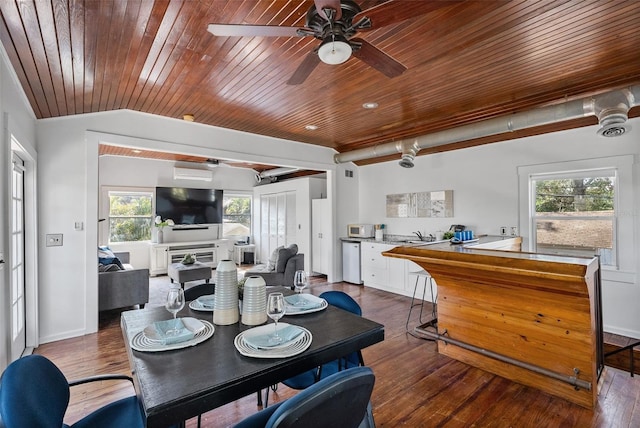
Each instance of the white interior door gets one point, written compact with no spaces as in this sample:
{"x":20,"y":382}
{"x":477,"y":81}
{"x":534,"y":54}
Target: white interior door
{"x":16,"y":260}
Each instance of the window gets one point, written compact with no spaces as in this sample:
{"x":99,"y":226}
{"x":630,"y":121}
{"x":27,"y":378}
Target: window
{"x":130,"y":216}
{"x":237,"y":215}
{"x":574,"y":214}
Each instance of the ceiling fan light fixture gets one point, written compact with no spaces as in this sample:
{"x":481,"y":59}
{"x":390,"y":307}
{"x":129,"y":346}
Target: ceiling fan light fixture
{"x":334,"y":50}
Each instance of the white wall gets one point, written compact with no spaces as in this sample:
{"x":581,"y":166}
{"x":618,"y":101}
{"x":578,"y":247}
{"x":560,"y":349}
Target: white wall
{"x":306,"y":188}
{"x":68,"y":179}
{"x":17,"y":119}
{"x":485,"y":184}
{"x":118,"y":171}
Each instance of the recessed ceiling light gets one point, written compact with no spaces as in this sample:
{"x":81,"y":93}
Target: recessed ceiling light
{"x":311,"y":127}
{"x":189,"y":117}
{"x":370,"y":105}
{"x":136,"y":151}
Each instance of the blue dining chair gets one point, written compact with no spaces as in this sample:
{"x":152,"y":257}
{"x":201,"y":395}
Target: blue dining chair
{"x":304,"y":380}
{"x":35,"y":393}
{"x":340,"y":400}
{"x":192,"y":293}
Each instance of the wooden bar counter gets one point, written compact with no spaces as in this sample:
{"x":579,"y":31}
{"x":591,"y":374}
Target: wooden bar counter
{"x":531,"y":318}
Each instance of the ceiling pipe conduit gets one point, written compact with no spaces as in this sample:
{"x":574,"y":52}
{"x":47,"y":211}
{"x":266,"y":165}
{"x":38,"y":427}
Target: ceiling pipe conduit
{"x":611,"y":109}
{"x":273,"y":174}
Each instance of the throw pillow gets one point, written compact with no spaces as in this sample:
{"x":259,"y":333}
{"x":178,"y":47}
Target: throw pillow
{"x":271,"y":264}
{"x":108,"y":268}
{"x":284,"y":255}
{"x":106,"y":257}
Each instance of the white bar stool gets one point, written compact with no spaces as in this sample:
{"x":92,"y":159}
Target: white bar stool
{"x":421,"y":274}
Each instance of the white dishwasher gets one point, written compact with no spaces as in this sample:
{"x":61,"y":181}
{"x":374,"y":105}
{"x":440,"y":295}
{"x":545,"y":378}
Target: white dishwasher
{"x":351,"y":262}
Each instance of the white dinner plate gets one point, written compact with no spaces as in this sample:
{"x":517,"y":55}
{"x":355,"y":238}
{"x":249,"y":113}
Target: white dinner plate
{"x":269,"y":329}
{"x":194,"y":325}
{"x":147,"y":340}
{"x":293,"y":310}
{"x":295,"y":347}
{"x":197,"y":306}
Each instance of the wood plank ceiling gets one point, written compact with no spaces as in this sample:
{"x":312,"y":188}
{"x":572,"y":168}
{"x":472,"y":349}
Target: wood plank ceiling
{"x":466,"y":61}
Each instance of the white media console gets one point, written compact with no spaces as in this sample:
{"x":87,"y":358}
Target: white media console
{"x":201,"y":241}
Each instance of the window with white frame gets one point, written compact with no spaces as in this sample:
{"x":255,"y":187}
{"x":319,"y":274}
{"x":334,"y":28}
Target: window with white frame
{"x":236,"y":214}
{"x":574,"y":214}
{"x":581,"y":207}
{"x":130,"y":215}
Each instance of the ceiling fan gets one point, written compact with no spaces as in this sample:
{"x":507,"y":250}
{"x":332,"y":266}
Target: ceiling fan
{"x":335,"y":23}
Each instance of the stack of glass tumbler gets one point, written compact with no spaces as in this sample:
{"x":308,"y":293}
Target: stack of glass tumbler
{"x":225,"y":308}
{"x":254,"y":302}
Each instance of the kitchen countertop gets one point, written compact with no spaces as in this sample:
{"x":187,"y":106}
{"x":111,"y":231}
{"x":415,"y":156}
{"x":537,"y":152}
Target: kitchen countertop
{"x":408,"y":241}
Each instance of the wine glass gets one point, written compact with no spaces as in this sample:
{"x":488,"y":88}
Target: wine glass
{"x":174,"y":303}
{"x":300,"y":282}
{"x":275,"y":311}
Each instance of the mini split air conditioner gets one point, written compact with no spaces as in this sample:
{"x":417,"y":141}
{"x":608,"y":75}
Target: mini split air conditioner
{"x":192,"y":174}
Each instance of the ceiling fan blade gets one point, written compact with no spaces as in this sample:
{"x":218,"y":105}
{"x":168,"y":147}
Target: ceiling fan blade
{"x":308,"y":64}
{"x":377,"y":59}
{"x":397,"y":11}
{"x":331,"y":4}
{"x":231,"y":30}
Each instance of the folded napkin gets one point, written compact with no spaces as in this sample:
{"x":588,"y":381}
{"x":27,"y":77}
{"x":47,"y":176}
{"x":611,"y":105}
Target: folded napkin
{"x":297,"y":302}
{"x":263,"y":341}
{"x":162,"y":327}
{"x":207,"y":301}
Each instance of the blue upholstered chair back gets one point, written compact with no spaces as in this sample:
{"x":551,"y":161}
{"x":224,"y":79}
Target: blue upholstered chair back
{"x":198,"y":290}
{"x":33,"y":393}
{"x":342,"y":300}
{"x":340,"y":400}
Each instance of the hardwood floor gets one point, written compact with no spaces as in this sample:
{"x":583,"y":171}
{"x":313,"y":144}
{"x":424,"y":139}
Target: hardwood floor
{"x":415,"y":386}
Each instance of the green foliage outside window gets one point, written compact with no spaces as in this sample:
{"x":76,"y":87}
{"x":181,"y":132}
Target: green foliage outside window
{"x":130,"y":216}
{"x":575,"y":195}
{"x":237,"y":215}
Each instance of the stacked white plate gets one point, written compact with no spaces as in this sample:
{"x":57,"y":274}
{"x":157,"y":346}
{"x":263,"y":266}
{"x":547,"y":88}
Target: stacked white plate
{"x":254,"y":303}
{"x":149,"y":340}
{"x":283,"y":350}
{"x":225,"y":309}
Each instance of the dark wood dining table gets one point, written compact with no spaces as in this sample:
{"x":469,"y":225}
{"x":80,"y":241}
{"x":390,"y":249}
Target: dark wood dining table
{"x":173,"y":386}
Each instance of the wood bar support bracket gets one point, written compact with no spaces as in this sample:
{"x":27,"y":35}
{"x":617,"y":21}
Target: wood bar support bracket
{"x":572,"y":380}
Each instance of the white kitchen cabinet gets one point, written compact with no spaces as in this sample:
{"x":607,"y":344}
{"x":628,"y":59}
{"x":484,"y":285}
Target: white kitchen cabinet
{"x":390,"y":273}
{"x":384,"y":273}
{"x":321,"y":239}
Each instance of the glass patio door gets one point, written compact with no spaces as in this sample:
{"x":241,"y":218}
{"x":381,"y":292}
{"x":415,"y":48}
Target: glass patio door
{"x":16,"y":260}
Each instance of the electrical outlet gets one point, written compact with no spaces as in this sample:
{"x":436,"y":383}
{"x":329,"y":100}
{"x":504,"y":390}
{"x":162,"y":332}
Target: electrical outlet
{"x":514,"y":230}
{"x":54,"y":240}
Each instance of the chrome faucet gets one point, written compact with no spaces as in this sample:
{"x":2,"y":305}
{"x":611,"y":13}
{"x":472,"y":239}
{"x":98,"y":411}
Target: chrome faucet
{"x":419,"y":235}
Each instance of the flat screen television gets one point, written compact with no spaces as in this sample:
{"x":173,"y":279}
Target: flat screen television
{"x":189,"y":206}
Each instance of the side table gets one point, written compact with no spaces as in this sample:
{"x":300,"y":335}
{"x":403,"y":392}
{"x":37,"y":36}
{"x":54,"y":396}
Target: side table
{"x":239,"y":250}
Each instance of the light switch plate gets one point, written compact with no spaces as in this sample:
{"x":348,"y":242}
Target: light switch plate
{"x":54,"y":240}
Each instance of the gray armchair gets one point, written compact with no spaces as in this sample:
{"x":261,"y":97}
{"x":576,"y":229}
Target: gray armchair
{"x":273,"y":277}
{"x":121,"y":288}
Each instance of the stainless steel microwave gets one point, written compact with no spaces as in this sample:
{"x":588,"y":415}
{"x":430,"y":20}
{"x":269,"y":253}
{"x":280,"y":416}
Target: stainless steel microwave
{"x":360,"y":231}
